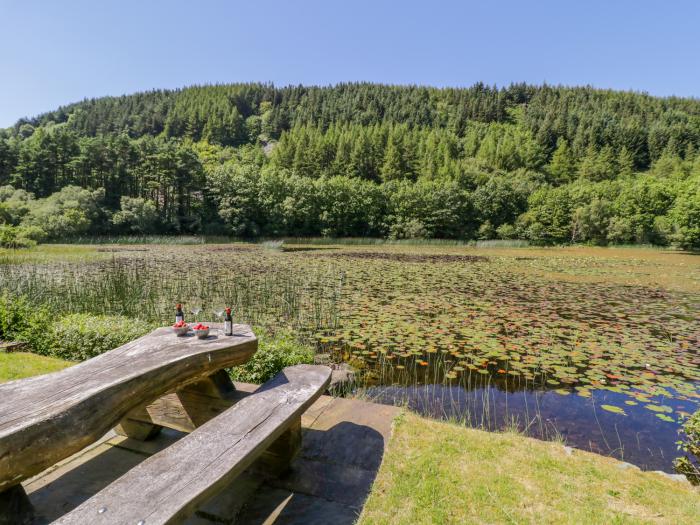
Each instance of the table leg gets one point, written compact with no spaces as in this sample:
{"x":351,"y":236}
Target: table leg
{"x":184,"y":410}
{"x":136,"y":429}
{"x":277,"y":459}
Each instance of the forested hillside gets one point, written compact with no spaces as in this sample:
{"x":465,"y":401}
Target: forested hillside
{"x":547,"y":164}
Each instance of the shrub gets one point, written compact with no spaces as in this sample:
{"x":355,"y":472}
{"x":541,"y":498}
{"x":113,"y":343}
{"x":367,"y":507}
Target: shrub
{"x":16,"y":237}
{"x":138,"y":214}
{"x":68,"y":212}
{"x":506,"y":232}
{"x":21,"y":321}
{"x":689,"y":465}
{"x":620,"y":230}
{"x":33,"y":233}
{"x":274,"y":353}
{"x":81,"y":336}
{"x":14,"y":204}
{"x":409,"y":229}
{"x":486,"y":231}
{"x":77,"y":337}
{"x":9,"y":238}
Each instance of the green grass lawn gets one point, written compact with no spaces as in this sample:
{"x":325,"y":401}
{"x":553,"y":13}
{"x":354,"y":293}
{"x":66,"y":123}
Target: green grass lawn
{"x":17,"y":365}
{"x":436,"y":472}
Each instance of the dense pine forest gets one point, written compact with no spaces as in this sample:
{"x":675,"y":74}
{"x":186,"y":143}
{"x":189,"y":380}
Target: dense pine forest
{"x":547,"y":164}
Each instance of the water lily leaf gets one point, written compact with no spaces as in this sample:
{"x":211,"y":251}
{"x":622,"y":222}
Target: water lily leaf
{"x":614,"y":409}
{"x":664,"y":417}
{"x":659,"y":408}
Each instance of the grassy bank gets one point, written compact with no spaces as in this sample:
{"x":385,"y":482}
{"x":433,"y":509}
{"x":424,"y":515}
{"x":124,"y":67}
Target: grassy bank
{"x":437,"y":472}
{"x":18,"y":365}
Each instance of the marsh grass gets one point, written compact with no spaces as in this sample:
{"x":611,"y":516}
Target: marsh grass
{"x":373,"y":241}
{"x":139,"y":239}
{"x":273,"y":245}
{"x":502,"y":243}
{"x":147,"y":289}
{"x":472,"y":400}
{"x":50,"y":253}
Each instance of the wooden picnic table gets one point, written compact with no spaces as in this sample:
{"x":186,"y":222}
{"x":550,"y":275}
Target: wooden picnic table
{"x":157,"y":380}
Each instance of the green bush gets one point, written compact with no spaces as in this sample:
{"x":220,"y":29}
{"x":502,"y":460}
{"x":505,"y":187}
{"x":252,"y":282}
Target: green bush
{"x":486,"y":231}
{"x":33,"y":233}
{"x":274,"y":353}
{"x":136,"y":214}
{"x":506,"y":232}
{"x":75,"y":337}
{"x":21,"y":321}
{"x":689,"y":465}
{"x":70,"y":211}
{"x":409,"y":229}
{"x":81,"y":336}
{"x":16,"y":237}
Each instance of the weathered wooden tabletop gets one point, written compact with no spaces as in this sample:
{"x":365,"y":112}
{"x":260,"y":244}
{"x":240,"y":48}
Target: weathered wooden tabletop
{"x":47,"y":418}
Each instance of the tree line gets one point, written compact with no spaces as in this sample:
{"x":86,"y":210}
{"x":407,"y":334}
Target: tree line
{"x":547,"y":164}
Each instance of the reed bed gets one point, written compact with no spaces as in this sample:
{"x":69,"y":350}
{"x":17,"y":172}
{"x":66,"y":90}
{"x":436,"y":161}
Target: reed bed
{"x":272,"y":296}
{"x":139,"y":239}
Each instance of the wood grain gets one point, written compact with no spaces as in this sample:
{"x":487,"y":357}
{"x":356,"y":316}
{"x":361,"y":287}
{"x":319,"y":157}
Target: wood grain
{"x":186,"y":409}
{"x":47,"y":418}
{"x":169,"y":486}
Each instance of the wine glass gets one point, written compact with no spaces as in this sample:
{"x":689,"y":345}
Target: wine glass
{"x":220,"y":315}
{"x":195,"y":312}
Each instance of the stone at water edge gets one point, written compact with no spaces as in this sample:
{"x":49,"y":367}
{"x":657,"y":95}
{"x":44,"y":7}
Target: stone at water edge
{"x":342,"y":374}
{"x":675,"y":477}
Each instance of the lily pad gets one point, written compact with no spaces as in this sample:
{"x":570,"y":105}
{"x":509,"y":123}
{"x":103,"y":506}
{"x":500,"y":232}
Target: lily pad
{"x":664,"y":417}
{"x":614,"y":409}
{"x":659,"y":408}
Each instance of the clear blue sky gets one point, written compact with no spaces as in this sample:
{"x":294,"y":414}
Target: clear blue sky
{"x":58,"y":51}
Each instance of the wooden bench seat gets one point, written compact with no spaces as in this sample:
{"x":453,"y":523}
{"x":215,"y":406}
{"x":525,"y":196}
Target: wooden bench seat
{"x":169,"y":486}
{"x":47,"y":418}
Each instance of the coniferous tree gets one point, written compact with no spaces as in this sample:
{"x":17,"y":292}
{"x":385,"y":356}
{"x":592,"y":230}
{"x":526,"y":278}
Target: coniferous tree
{"x":562,"y":167}
{"x":393,"y":167}
{"x":625,"y":163}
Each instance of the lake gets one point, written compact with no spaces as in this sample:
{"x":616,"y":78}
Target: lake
{"x":598,"y":346}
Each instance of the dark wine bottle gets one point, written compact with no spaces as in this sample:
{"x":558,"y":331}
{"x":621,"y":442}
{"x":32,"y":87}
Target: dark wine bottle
{"x":228,"y":323}
{"x":179,"y":315}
